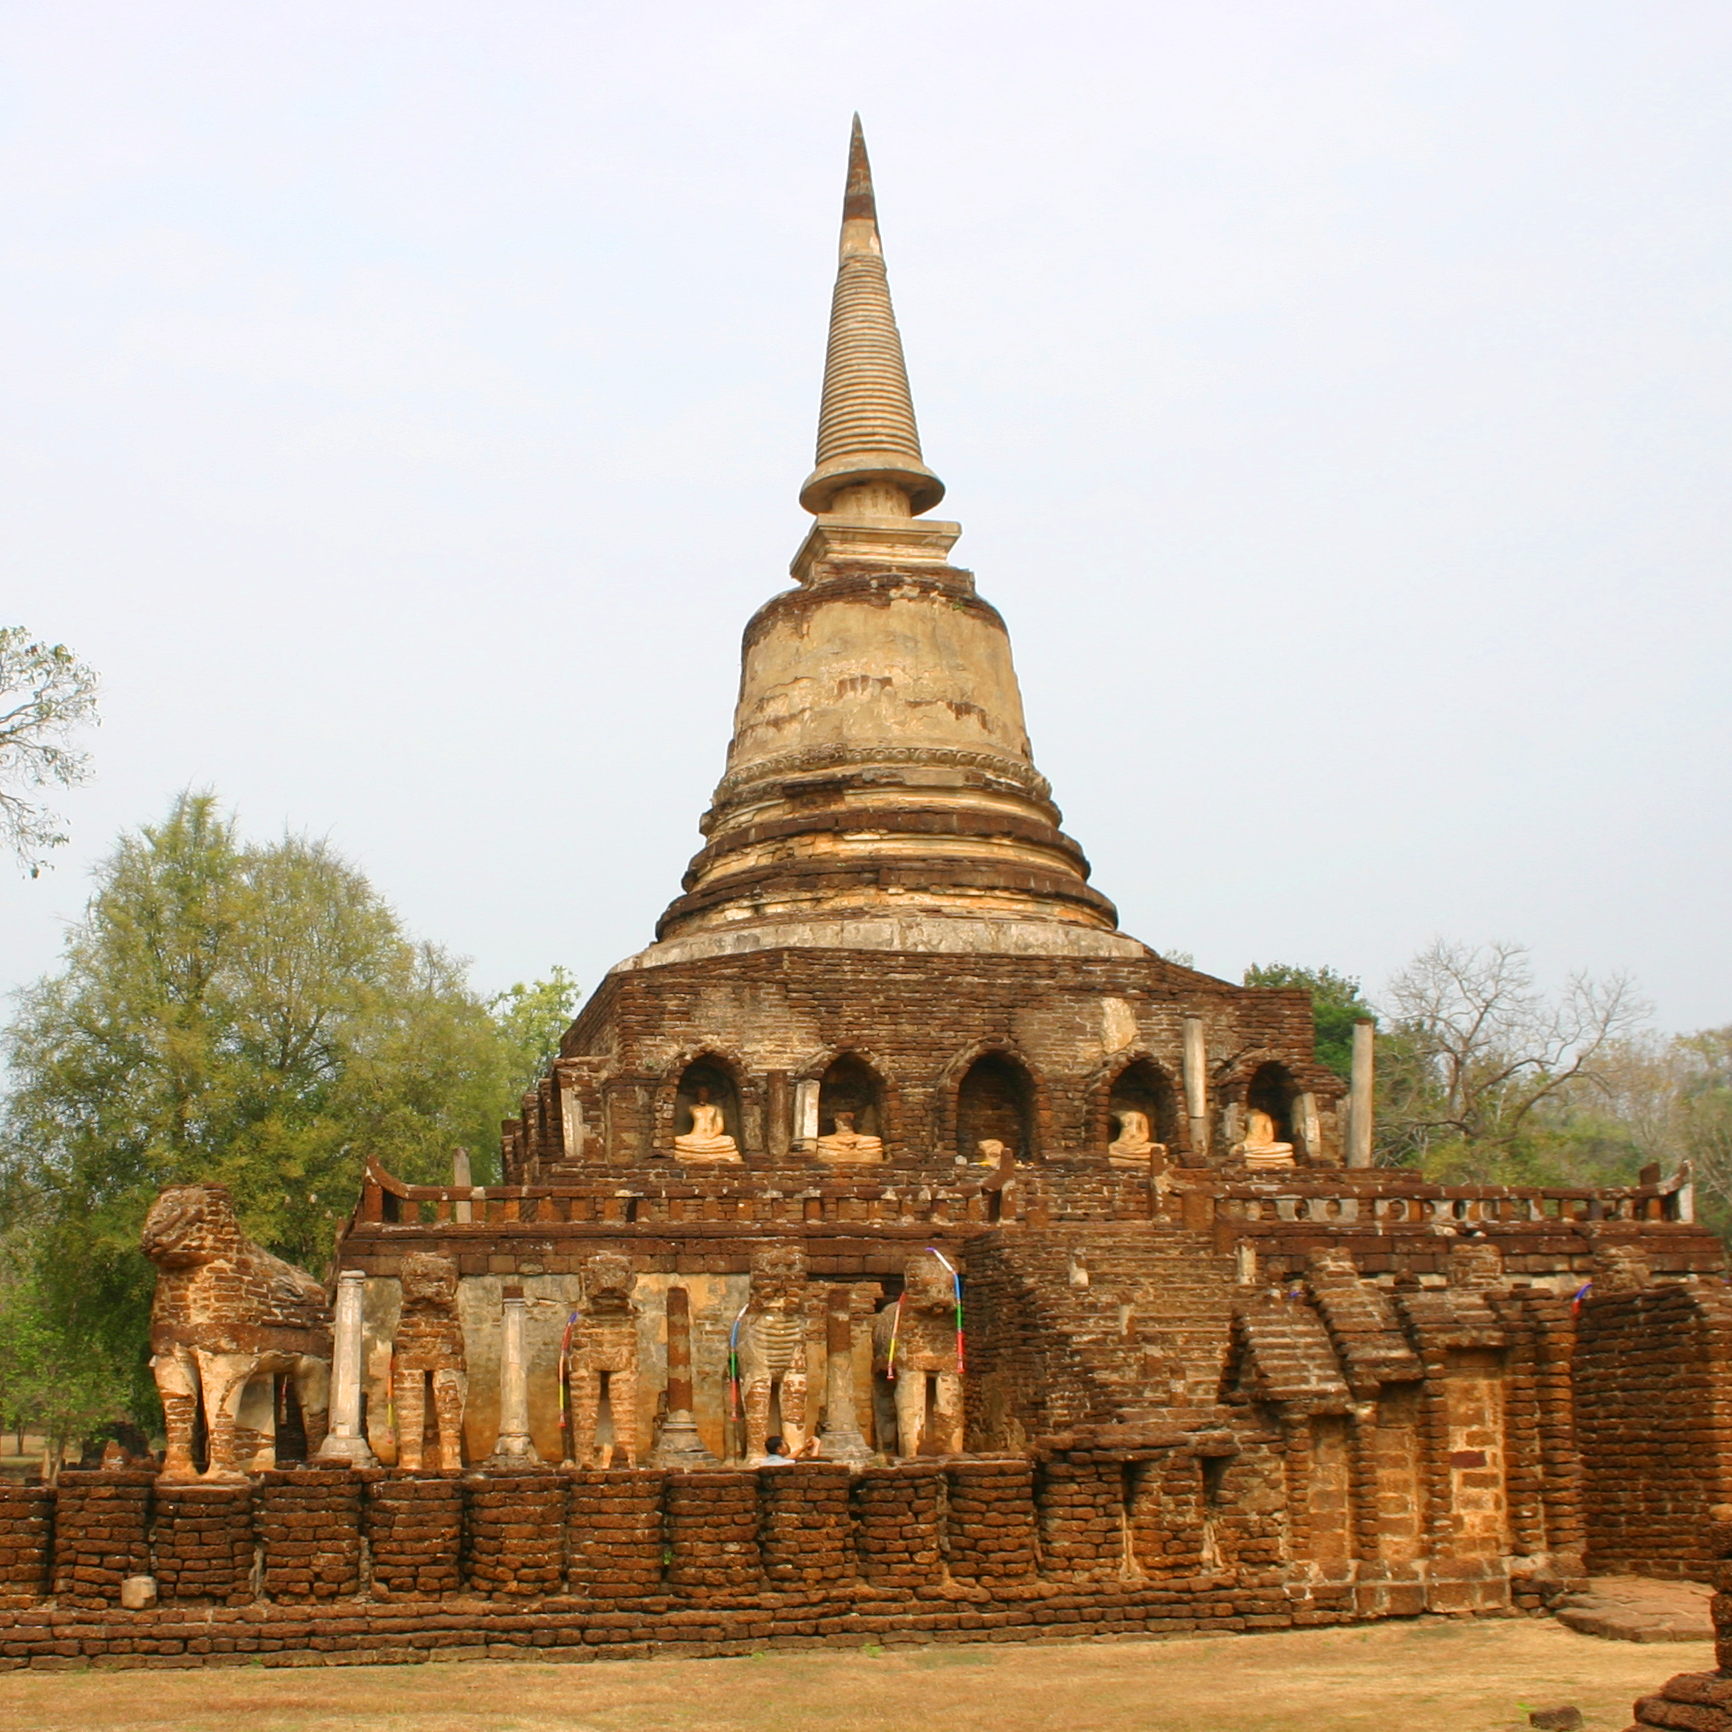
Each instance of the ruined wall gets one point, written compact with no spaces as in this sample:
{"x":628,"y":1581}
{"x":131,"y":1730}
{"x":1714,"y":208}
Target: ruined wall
{"x":341,"y":1566}
{"x":1653,"y":1392}
{"x":781,"y":1014}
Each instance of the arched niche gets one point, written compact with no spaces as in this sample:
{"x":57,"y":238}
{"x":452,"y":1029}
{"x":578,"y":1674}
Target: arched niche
{"x":707,"y":1071}
{"x":851,"y":1085}
{"x":1272,"y":1090}
{"x":995,"y":1099}
{"x":1144,"y":1087}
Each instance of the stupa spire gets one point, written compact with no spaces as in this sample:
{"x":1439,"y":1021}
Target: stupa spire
{"x":869,"y":461}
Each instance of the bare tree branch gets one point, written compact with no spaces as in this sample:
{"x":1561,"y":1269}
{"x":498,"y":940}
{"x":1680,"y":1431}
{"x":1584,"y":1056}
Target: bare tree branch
{"x":46,"y":693}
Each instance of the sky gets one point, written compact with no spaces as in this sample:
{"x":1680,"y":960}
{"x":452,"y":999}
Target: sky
{"x":405,"y":408}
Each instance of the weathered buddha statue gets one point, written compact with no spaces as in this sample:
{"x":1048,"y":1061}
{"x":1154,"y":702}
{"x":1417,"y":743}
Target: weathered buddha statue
{"x":1133,"y":1146}
{"x":708,"y":1139}
{"x":1261,"y":1147}
{"x":989,"y":1152}
{"x":847,"y":1144}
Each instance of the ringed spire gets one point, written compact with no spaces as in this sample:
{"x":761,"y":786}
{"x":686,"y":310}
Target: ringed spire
{"x":867,"y":437}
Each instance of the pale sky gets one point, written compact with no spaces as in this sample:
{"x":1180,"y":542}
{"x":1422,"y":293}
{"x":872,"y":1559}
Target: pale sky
{"x":405,"y":406}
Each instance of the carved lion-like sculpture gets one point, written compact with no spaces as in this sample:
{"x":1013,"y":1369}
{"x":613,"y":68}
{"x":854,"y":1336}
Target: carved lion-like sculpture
{"x":225,"y":1314}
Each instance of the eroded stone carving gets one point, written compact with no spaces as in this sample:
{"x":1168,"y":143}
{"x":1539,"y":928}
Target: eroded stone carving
{"x":224,"y":1313}
{"x":772,"y":1348}
{"x":915,"y":1348}
{"x":1133,"y":1146}
{"x":845,"y":1143}
{"x":428,"y":1352}
{"x":603,"y":1360}
{"x":1619,"y":1269}
{"x":708,"y":1139}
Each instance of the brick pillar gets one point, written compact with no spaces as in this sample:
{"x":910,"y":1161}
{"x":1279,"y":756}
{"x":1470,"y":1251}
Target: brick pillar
{"x":896,"y":1524}
{"x":989,"y":1520}
{"x":806,"y":1529}
{"x":204,"y":1543}
{"x":26,"y":1540}
{"x":615,"y":1535}
{"x":1560,"y":1454}
{"x":1524,"y":1473}
{"x":516,"y":1533}
{"x":1081,"y":1498}
{"x":415,"y":1533}
{"x":309,"y":1525}
{"x":101,"y":1535}
{"x":712,"y":1529}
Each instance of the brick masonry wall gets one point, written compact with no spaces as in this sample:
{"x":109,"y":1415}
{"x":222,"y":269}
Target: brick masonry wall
{"x":1653,"y":1382}
{"x":770,"y":1012}
{"x":355,"y":1567}
{"x":309,"y":1529}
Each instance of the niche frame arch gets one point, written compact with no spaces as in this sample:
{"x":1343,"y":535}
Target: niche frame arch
{"x":742,"y":1112}
{"x":1036,"y":1116}
{"x":1268,"y":1079}
{"x":1167,"y":1124}
{"x":885,"y":1089}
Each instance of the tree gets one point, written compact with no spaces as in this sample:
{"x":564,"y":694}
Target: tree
{"x":1475,"y":1052}
{"x":250,"y":1015}
{"x":531,"y":1017}
{"x":46,"y":693}
{"x":1336,"y":1004}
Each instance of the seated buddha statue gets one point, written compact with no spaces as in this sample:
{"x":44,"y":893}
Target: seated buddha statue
{"x":847,"y":1144}
{"x":708,"y":1139}
{"x":1133,"y":1146}
{"x":1261,"y":1148}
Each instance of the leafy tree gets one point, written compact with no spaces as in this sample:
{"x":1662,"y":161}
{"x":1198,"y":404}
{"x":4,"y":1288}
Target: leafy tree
{"x":531,"y":1018}
{"x":45,"y":694}
{"x":1336,"y":1004}
{"x":1479,"y":1069}
{"x":251,"y":1015}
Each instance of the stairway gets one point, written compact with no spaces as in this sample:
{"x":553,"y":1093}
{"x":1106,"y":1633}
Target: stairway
{"x":1127,"y":1322}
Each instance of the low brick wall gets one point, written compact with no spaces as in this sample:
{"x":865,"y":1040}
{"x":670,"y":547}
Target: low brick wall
{"x":330,"y":1566}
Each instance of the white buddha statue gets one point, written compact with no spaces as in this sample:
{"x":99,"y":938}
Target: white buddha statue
{"x":847,"y":1144}
{"x":1261,"y":1148}
{"x":1133,"y":1146}
{"x":708,"y":1139}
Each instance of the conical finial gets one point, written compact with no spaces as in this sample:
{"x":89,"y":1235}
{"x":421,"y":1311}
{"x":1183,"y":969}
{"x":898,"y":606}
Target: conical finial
{"x":866,"y":432}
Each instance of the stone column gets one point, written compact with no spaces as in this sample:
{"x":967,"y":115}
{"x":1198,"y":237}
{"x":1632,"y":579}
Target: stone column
{"x":346,"y":1442}
{"x":514,"y":1451}
{"x":461,"y":1180}
{"x":1359,"y":1107}
{"x":1197,"y":1088}
{"x":843,"y":1440}
{"x":806,"y":1115}
{"x":678,"y":1443}
{"x":777,"y":1127}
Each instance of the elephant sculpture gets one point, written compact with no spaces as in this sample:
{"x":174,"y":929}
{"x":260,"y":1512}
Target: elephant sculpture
{"x":227,"y":1314}
{"x":916,"y":1354}
{"x":771,"y":1344}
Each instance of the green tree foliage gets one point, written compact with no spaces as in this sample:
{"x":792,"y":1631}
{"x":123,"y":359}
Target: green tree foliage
{"x":46,"y":694}
{"x":1479,"y":1069}
{"x":531,"y":1017}
{"x":251,"y":1015}
{"x":1336,"y":1004}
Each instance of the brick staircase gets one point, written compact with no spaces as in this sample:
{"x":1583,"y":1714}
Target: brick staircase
{"x":1143,"y":1340}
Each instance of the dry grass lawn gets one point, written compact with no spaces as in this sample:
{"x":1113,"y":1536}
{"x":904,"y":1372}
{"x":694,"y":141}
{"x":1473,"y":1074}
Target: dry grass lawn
{"x":1427,"y":1676}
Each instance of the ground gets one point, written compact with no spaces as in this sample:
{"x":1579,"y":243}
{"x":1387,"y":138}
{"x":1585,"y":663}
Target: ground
{"x":1432,"y":1675}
